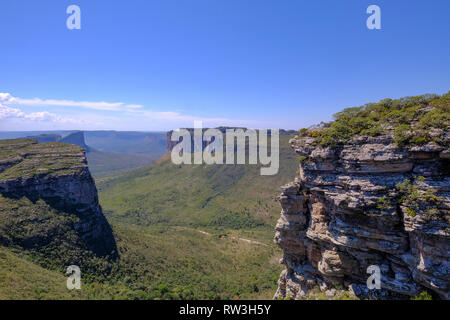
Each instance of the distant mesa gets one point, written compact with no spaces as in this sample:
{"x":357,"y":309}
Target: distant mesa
{"x":76,"y":138}
{"x":46,"y":138}
{"x":171,"y":144}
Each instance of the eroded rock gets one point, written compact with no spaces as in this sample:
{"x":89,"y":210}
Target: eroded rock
{"x":345,"y":212}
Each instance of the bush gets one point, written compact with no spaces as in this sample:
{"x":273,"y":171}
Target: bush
{"x":423,"y":296}
{"x":411,"y":212}
{"x":410,"y":119}
{"x":402,"y":134}
{"x":383,"y":203}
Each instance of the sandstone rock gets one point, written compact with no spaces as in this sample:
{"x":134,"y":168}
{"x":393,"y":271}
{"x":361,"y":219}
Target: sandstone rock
{"x":349,"y":215}
{"x":56,"y":173}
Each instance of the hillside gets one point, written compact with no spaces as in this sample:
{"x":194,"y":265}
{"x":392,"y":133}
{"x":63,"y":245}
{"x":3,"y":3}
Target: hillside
{"x":192,"y":254}
{"x":210,"y":212}
{"x":103,"y":164}
{"x":114,"y":152}
{"x":219,"y":196}
{"x":128,"y":142}
{"x":23,"y":279}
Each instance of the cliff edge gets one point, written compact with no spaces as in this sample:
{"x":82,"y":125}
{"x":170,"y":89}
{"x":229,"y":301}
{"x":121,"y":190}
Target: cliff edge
{"x":49,"y":203}
{"x":370,"y":198}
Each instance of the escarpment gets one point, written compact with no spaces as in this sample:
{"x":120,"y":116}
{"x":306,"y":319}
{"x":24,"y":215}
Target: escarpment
{"x":362,"y":202}
{"x":49,"y":202}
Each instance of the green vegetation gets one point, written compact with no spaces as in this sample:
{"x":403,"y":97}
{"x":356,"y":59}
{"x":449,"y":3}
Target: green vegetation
{"x":159,"y":262}
{"x":182,"y":232}
{"x":27,"y":158}
{"x":155,"y":263}
{"x":411,"y":120}
{"x":103,"y":164}
{"x":183,"y":225}
{"x":423,"y":296}
{"x":22,"y":279}
{"x":216,"y":196}
{"x":383,"y":203}
{"x":411,"y":212}
{"x":47,"y":234}
{"x":417,"y":199}
{"x":301,"y":159}
{"x":340,"y":294}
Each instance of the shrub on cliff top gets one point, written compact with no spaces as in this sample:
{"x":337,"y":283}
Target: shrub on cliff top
{"x":409,"y":119}
{"x":423,"y":296}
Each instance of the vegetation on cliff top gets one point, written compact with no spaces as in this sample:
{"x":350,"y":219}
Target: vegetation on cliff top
{"x":24,"y":158}
{"x":414,"y":120}
{"x":418,"y":197}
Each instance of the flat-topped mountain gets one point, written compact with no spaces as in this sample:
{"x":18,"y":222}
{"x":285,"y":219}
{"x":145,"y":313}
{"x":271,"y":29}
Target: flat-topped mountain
{"x":49,"y":203}
{"x":76,"y":138}
{"x":108,"y":152}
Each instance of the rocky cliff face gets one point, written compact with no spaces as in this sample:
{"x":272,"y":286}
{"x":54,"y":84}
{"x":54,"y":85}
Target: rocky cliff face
{"x":364,"y":203}
{"x":49,"y":199}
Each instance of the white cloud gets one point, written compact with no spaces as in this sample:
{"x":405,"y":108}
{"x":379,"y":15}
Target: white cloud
{"x":133,"y":106}
{"x":7,"y":112}
{"x":131,"y":117}
{"x":47,"y":116}
{"x":175,"y":116}
{"x":7,"y":98}
{"x":14,"y":113}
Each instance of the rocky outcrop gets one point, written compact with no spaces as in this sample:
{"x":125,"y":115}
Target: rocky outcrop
{"x":365,"y":203}
{"x":58,"y":175}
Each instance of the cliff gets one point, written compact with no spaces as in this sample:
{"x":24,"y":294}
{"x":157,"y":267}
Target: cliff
{"x":369,"y":200}
{"x":76,"y":138}
{"x":49,"y":202}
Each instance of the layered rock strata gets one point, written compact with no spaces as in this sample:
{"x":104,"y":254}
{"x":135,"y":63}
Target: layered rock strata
{"x":56,"y":173}
{"x":366,"y":203}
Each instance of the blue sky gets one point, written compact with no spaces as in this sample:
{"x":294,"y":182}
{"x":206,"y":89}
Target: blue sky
{"x":161,"y":64}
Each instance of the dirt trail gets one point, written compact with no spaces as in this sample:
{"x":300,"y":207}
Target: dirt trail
{"x":234,"y":238}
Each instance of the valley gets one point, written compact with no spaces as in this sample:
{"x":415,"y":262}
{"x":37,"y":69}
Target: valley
{"x":171,"y":231}
{"x":182,"y":232}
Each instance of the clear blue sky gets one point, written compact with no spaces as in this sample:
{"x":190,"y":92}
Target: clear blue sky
{"x":160,"y":64}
